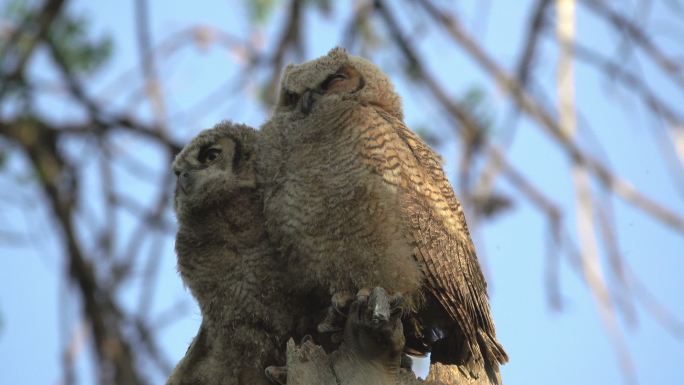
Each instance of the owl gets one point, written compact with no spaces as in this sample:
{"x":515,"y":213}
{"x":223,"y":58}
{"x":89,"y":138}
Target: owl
{"x":355,"y":199}
{"x":225,"y":259}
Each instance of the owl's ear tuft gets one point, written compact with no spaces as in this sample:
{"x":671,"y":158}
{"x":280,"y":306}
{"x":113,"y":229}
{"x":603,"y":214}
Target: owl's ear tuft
{"x":288,"y":68}
{"x":338,"y":53}
{"x":284,"y":74}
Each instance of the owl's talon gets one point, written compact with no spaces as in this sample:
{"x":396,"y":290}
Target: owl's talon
{"x":379,"y":305}
{"x":337,"y":313}
{"x":341,"y":301}
{"x":363,"y":292}
{"x":277,"y":374}
{"x":305,"y":339}
{"x":332,"y":322}
{"x":374,"y":328}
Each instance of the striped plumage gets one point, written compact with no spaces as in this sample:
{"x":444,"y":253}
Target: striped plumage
{"x":355,"y":199}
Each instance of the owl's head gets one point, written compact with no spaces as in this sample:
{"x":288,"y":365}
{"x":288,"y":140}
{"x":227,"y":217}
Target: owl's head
{"x":334,"y":77}
{"x":214,"y":166}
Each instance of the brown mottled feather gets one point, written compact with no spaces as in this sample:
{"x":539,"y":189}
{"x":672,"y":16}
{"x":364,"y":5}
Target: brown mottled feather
{"x":225,"y":258}
{"x":355,"y":199}
{"x":449,"y":247}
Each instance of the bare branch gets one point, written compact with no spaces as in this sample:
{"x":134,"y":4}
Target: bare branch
{"x":14,"y":56}
{"x":528,"y":104}
{"x":110,"y":346}
{"x":152,"y":84}
{"x":290,"y":38}
{"x":639,"y":37}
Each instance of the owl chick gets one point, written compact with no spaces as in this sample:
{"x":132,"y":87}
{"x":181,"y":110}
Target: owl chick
{"x":225,"y":258}
{"x":355,"y":199}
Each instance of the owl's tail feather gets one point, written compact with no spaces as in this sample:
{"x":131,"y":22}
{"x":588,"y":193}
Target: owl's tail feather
{"x":491,"y":349}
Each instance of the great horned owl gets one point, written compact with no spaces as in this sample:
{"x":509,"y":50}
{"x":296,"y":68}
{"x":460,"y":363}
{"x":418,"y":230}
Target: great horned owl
{"x":355,"y":199}
{"x":225,"y":258}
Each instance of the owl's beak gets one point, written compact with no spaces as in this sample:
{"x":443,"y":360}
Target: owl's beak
{"x":308,"y":99}
{"x":185,"y":182}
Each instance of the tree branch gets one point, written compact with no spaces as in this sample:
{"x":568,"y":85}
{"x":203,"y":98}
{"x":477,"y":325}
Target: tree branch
{"x":549,"y":125}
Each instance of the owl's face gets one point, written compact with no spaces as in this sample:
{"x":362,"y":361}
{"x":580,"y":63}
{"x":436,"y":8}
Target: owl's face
{"x":332,"y":78}
{"x":214,"y":165}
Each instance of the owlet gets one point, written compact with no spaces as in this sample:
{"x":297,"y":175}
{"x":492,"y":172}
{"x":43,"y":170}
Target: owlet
{"x":355,"y":199}
{"x":226,"y":260}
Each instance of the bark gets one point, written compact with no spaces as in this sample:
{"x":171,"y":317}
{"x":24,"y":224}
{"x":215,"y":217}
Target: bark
{"x":308,"y":364}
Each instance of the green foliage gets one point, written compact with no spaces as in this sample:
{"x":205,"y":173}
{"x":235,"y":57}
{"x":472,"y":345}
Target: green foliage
{"x":81,"y":54}
{"x":3,"y":158}
{"x":260,"y":10}
{"x":368,"y":33}
{"x":412,"y":70}
{"x":265,"y":94}
{"x":69,"y":33}
{"x":475,"y":100}
{"x":16,"y":10}
{"x":325,"y":6}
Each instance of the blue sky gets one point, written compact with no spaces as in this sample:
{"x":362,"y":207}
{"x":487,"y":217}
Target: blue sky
{"x":546,"y":346}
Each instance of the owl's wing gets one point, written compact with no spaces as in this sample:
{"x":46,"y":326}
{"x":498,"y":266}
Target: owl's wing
{"x":444,"y":247}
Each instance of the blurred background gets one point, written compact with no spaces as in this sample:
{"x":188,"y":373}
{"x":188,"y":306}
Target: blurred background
{"x":561,"y":124}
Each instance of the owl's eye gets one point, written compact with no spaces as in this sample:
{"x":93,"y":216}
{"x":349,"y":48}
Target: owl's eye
{"x":333,"y":79}
{"x":290,"y":98}
{"x":209,"y":155}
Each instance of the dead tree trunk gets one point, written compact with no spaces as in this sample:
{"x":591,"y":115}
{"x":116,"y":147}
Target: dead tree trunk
{"x":309,"y":364}
{"x":370,"y":353}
